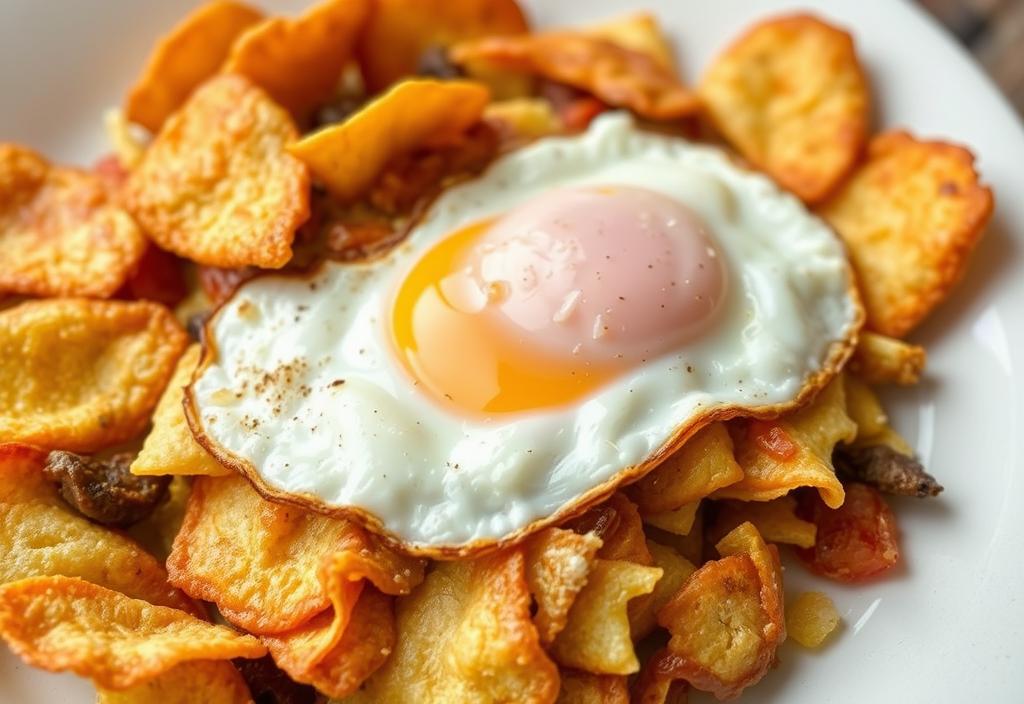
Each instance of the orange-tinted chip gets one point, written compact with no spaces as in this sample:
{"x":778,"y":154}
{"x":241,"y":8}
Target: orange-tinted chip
{"x":207,"y":681}
{"x":67,"y":624}
{"x":638,"y":31}
{"x":81,"y":375}
{"x":676,"y":569}
{"x":299,"y":61}
{"x":776,"y":520}
{"x":619,"y":76}
{"x":790,"y":95}
{"x":557,"y":564}
{"x":910,"y":217}
{"x":885,"y":360}
{"x":217,"y":186}
{"x":60,"y":233}
{"x":185,"y":57}
{"x":585,"y":688}
{"x":399,"y":32}
{"x":349,"y":156}
{"x":811,"y":619}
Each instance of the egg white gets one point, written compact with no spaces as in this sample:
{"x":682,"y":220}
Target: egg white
{"x":301,"y":387}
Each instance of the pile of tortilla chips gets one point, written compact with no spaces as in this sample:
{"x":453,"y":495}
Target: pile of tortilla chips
{"x":249,"y":142}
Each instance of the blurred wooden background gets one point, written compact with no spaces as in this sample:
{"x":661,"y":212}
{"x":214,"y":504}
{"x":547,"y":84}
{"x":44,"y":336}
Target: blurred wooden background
{"x":993,"y":30}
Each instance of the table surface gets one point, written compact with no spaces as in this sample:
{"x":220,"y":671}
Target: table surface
{"x":993,"y":30}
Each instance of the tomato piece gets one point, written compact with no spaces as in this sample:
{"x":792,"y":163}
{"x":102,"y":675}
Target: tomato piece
{"x":856,"y":541}
{"x":772,"y":438}
{"x":157,"y":277}
{"x":218,"y":283}
{"x":578,"y":114}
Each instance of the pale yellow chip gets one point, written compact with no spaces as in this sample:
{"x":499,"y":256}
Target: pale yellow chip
{"x":156,"y":532}
{"x":811,"y":618}
{"x":299,"y":61}
{"x":81,"y":375}
{"x":678,"y":521}
{"x":863,"y":406}
{"x":170,"y":447}
{"x":702,"y":465}
{"x":522,"y":119}
{"x":804,"y":456}
{"x":206,"y":681}
{"x":775,"y":520}
{"x":557,"y":564}
{"x":127,"y":141}
{"x":40,"y":535}
{"x":639,"y":32}
{"x":217,"y":186}
{"x":67,"y":624}
{"x":465,"y":636}
{"x":910,"y":216}
{"x":597,"y":638}
{"x":676,"y":569}
{"x":885,"y":360}
{"x":61,"y":233}
{"x":791,"y":96}
{"x":586,"y":688}
{"x":349,"y":156}
{"x":185,"y":57}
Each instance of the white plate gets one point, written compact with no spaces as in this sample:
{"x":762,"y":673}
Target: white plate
{"x":949,"y":626}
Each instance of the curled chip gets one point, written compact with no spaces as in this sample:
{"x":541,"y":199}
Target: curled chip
{"x":910,"y":216}
{"x":702,"y":465}
{"x":400,"y":32}
{"x":40,"y":535}
{"x":170,"y":447}
{"x":596,"y":638}
{"x":66,"y":624}
{"x":60,"y":232}
{"x":793,"y":451}
{"x":678,"y":521}
{"x":811,"y":618}
{"x":217,"y":186}
{"x":299,"y":61}
{"x":465,"y":637}
{"x":349,"y":156}
{"x":885,"y":360}
{"x":208,"y":681}
{"x":618,"y":76}
{"x":585,"y":688}
{"x":775,"y":520}
{"x":791,"y":96}
{"x":185,"y":57}
{"x":557,"y":564}
{"x":82,"y":375}
{"x":519,"y":120}
{"x":863,"y":406}
{"x":623,"y":535}
{"x":260,"y":562}
{"x":639,"y":32}
{"x":676,"y":569}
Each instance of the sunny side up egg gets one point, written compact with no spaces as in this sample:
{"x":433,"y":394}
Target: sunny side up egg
{"x":546,"y":331}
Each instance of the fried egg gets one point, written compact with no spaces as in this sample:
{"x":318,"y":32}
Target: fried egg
{"x":546,"y":332}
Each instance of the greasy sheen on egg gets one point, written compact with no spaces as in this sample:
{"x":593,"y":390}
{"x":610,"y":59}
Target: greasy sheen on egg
{"x":304,"y":386}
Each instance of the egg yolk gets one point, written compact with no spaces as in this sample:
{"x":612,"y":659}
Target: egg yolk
{"x":542,"y":306}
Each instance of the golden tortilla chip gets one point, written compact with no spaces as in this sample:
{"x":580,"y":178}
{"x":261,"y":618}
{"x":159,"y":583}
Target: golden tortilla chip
{"x":170,"y":447}
{"x":465,"y":637}
{"x":863,"y":406}
{"x":776,"y":520}
{"x":811,"y":619}
{"x":185,"y":57}
{"x":557,"y":564}
{"x":82,"y":375}
{"x":638,"y":32}
{"x":791,"y":96}
{"x":793,"y":451}
{"x":623,"y":537}
{"x":678,"y":521}
{"x":676,"y":569}
{"x":299,"y":61}
{"x":616,"y":75}
{"x":596,"y":638}
{"x":349,"y":156}
{"x":260,"y":562}
{"x":585,"y":688}
{"x":217,"y":186}
{"x":653,"y":687}
{"x":127,"y":143}
{"x":520,"y":120}
{"x":206,"y":681}
{"x":703,"y":464}
{"x":157,"y":531}
{"x":67,"y":624}
{"x":60,"y":232}
{"x":910,"y":216}
{"x":40,"y":535}
{"x":885,"y":360}
{"x":400,"y":32}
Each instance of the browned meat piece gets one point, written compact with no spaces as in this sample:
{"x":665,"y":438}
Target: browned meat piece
{"x":269,"y":685}
{"x":103,"y":489}
{"x":886,"y":470}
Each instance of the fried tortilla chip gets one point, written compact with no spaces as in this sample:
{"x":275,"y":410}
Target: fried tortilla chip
{"x":40,"y":535}
{"x":156,"y":533}
{"x":653,"y":687}
{"x":678,"y":521}
{"x":791,"y":96}
{"x":400,"y":32}
{"x":863,"y":406}
{"x":207,"y":681}
{"x":128,"y":142}
{"x":596,"y":638}
{"x":618,"y":76}
{"x":793,"y":451}
{"x":775,"y":520}
{"x":349,"y":156}
{"x":217,"y":186}
{"x":67,"y":624}
{"x":465,"y":637}
{"x":885,"y":360}
{"x":585,"y":688}
{"x":811,"y":619}
{"x":638,"y":32}
{"x":81,"y":375}
{"x":910,"y":216}
{"x":61,"y":234}
{"x":676,"y":569}
{"x":299,"y":61}
{"x":623,"y":537}
{"x":702,"y":465}
{"x":185,"y":57}
{"x":520,"y":120}
{"x":170,"y":447}
{"x":557,"y":564}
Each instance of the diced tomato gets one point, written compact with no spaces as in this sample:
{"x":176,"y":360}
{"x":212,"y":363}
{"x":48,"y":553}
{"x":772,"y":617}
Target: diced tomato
{"x":772,"y":438}
{"x":856,"y":541}
{"x":157,"y":277}
{"x":218,"y":283}
{"x":577,"y":115}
